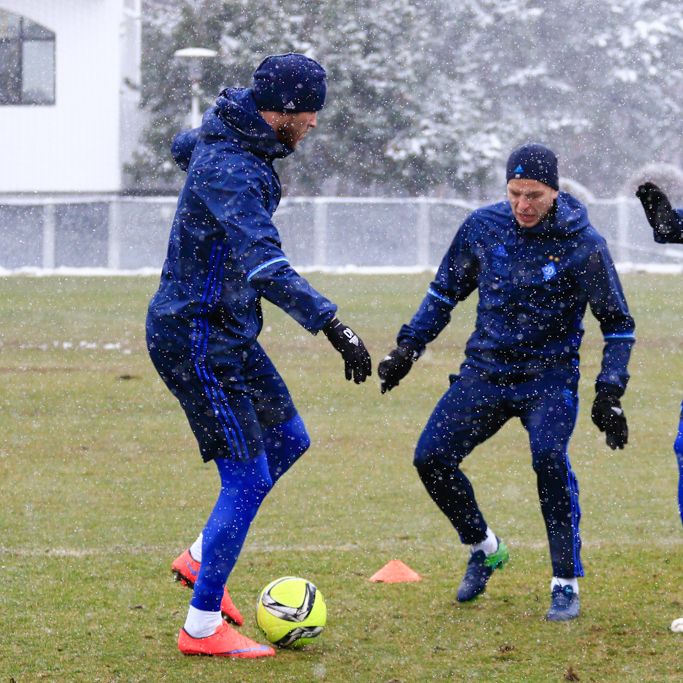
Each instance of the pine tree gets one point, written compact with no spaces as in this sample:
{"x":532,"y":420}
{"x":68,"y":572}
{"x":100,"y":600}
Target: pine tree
{"x":431,"y":97}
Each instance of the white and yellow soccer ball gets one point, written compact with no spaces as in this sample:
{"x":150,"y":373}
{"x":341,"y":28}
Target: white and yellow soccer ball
{"x":291,"y":612}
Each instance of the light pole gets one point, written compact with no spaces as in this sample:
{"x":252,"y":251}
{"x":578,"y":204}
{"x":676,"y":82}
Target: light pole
{"x":194,"y":56}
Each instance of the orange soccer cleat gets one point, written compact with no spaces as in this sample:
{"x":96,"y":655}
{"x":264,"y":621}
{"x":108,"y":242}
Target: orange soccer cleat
{"x":186,"y":568}
{"x":224,"y":642}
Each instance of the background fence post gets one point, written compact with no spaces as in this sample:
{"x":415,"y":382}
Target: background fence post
{"x":48,"y":236}
{"x":114,"y":235}
{"x":319,"y":232}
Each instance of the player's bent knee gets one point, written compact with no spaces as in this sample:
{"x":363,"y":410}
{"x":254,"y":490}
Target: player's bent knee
{"x":295,"y":432}
{"x":427,"y":452}
{"x":290,"y":437}
{"x":423,"y":458}
{"x":430,"y":454}
{"x":549,"y":461}
{"x":429,"y":464}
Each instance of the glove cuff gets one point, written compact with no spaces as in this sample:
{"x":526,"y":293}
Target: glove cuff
{"x":410,"y":349}
{"x":406,"y":351}
{"x":608,"y":391}
{"x":330,"y":325}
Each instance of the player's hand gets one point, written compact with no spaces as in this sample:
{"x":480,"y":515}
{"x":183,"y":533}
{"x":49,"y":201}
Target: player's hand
{"x":608,"y":416}
{"x":395,"y":367}
{"x":658,"y":210}
{"x":357,"y":361}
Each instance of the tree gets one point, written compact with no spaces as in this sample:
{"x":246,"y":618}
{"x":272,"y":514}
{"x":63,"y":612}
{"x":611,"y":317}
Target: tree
{"x":431,"y":97}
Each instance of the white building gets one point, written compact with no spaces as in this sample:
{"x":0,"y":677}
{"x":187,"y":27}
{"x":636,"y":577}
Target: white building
{"x":69,"y":94}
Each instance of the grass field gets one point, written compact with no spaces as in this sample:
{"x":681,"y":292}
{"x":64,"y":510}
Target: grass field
{"x":102,"y":486}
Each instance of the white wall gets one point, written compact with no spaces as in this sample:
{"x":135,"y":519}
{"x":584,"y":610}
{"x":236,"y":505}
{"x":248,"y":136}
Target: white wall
{"x":73,"y":145}
{"x":133,"y":118}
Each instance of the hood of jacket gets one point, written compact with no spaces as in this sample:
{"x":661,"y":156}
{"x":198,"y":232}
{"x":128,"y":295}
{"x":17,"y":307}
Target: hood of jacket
{"x":568,"y":217}
{"x":235,"y":118}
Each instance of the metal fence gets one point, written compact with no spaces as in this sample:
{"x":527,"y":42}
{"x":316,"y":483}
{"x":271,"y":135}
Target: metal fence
{"x":131,"y":233}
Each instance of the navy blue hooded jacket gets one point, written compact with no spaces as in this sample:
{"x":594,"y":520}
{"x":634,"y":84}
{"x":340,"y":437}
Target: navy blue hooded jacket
{"x":224,"y":252}
{"x":534,"y":285}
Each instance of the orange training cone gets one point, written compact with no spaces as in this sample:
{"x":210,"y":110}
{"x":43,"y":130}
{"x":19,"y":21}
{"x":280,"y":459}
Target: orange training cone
{"x":395,"y":571}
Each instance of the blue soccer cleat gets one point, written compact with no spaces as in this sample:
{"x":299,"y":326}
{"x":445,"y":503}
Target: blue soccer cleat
{"x":564,"y":604}
{"x":479,"y":570}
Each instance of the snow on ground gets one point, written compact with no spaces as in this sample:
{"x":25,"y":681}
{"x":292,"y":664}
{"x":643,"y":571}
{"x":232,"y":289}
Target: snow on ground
{"x":76,"y":346}
{"x":623,"y":267}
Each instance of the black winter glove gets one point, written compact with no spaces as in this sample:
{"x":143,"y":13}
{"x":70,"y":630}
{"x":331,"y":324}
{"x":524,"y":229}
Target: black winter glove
{"x":395,"y":367}
{"x":608,"y":416}
{"x":658,"y":210}
{"x":357,"y":361}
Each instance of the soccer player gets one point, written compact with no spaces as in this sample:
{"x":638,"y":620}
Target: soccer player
{"x":667,"y":228}
{"x":536,"y":262}
{"x":224,"y":255}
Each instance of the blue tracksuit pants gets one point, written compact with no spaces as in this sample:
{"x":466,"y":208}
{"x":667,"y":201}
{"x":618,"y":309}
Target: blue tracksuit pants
{"x":242,"y":414}
{"x":472,"y":410}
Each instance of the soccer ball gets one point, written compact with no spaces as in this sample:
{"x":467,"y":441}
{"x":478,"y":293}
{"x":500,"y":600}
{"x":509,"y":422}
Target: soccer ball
{"x":291,"y":612}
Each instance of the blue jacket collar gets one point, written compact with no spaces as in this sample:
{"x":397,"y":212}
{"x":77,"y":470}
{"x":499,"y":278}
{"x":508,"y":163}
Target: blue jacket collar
{"x":235,"y":117}
{"x":567,"y":217}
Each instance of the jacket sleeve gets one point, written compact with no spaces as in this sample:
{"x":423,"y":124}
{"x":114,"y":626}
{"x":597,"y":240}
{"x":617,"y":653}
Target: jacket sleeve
{"x":673,"y":232}
{"x":182,"y":147}
{"x":607,"y":302}
{"x":234,"y":196}
{"x":455,"y":280}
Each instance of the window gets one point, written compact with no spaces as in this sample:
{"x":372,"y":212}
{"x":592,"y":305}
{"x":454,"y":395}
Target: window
{"x":27,"y":61}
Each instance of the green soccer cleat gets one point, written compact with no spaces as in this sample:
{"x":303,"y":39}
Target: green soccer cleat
{"x":479,"y":570}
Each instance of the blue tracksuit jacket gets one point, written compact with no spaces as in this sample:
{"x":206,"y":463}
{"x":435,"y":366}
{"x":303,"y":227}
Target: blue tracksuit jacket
{"x":224,"y":252}
{"x":534,"y":285}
